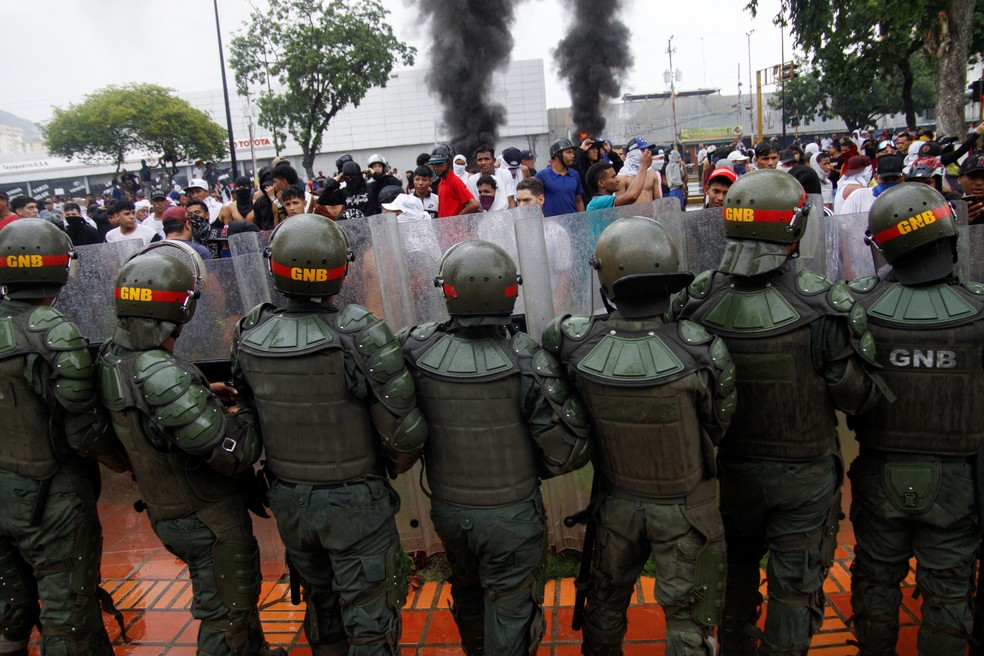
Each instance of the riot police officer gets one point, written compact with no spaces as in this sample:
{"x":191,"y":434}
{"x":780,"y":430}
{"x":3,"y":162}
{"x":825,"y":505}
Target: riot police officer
{"x":501,"y":416}
{"x":189,"y":457}
{"x":660,"y":396}
{"x":913,"y":484}
{"x":50,"y":537}
{"x":801,"y":350}
{"x":336,"y":408}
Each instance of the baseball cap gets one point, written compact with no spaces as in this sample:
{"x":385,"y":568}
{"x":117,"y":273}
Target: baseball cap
{"x":513,"y":157}
{"x":278,"y":160}
{"x":158,"y":193}
{"x":737,"y":156}
{"x":174,"y":218}
{"x":404,"y":203}
{"x":637,"y":143}
{"x":857,"y":163}
{"x":197,"y":183}
{"x":972,"y":164}
{"x":389,"y":193}
{"x":722,"y":172}
{"x":528,"y":154}
{"x":711,"y":148}
{"x":786,"y":156}
{"x":890,"y":166}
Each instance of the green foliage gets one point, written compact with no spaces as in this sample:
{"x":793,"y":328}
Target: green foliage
{"x":115,"y":121}
{"x":869,"y":56}
{"x":310,"y":59}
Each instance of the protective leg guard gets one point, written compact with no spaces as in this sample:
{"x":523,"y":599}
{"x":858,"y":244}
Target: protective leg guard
{"x":604,"y":618}
{"x":19,"y":610}
{"x":875,"y":605}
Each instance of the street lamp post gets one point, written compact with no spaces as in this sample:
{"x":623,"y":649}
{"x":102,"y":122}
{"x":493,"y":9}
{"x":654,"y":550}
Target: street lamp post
{"x":751,"y":124}
{"x":669,"y":50}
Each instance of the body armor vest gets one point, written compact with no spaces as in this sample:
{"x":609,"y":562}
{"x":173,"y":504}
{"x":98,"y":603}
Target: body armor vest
{"x":28,"y":446}
{"x":479,"y":451}
{"x":173,"y":483}
{"x":784,"y":410}
{"x":640,"y":388}
{"x":931,"y":345}
{"x":315,"y":430}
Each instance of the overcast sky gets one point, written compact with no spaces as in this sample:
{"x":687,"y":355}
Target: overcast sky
{"x":56,"y":51}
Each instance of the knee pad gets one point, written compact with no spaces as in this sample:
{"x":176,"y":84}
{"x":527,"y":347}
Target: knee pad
{"x":237,"y":570}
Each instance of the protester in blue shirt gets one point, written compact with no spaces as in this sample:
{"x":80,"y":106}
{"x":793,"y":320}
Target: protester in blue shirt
{"x":562,"y":184}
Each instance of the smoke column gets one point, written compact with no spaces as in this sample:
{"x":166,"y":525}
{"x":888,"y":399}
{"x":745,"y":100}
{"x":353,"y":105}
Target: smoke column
{"x":593,"y":57}
{"x":472,"y":40}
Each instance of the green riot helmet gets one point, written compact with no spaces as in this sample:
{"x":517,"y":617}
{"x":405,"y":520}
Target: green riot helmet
{"x":480,"y":283}
{"x":162,"y":282}
{"x":912,"y":225}
{"x":764,"y":212}
{"x":560,"y":146}
{"x":34,"y":259}
{"x":309,"y":256}
{"x":638,"y":266}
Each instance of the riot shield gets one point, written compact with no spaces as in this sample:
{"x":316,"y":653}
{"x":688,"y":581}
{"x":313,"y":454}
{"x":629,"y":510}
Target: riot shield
{"x":812,"y":246}
{"x":848,"y":255}
{"x":972,"y":237}
{"x":965,"y":257}
{"x":208,"y":336}
{"x":252,"y":270}
{"x":88,"y":297}
{"x":699,"y":237}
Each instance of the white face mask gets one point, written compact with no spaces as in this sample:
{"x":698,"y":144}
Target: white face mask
{"x":459,"y":168}
{"x":866,"y":174}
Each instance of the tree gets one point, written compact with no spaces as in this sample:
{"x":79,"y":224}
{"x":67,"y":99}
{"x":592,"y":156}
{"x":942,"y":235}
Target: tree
{"x":838,"y":90}
{"x":322,"y":58}
{"x":115,"y":121}
{"x":890,"y":36}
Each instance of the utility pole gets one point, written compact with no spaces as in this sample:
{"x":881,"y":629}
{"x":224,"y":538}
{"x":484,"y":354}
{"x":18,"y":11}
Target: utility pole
{"x":225,"y":94}
{"x":669,"y":50}
{"x":782,"y":91}
{"x":751,"y":125}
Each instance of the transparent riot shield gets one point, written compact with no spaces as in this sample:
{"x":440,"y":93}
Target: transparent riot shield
{"x":848,"y":255}
{"x":208,"y":336}
{"x":812,"y":247}
{"x":965,"y":267}
{"x":252,"y":270}
{"x":88,"y":297}
{"x":699,"y":237}
{"x":972,"y":237}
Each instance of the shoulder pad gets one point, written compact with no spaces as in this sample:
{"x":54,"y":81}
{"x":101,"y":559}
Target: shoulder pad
{"x":552,"y":339}
{"x":374,"y":336}
{"x":523,"y":345}
{"x":810,"y":283}
{"x":863,"y":285}
{"x":354,"y":317}
{"x":701,"y":285}
{"x":282,"y":335}
{"x":840,"y":297}
{"x":457,"y":357}
{"x":65,"y":336}
{"x":251,"y":318}
{"x":161,"y":378}
{"x":8,"y":341}
{"x":974,"y":287}
{"x":42,"y":318}
{"x":546,"y":365}
{"x":693,"y":333}
{"x":575,"y":327}
{"x":423,"y":331}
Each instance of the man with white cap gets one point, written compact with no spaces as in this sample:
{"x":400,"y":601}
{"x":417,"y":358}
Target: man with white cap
{"x":739,"y":161}
{"x":197,"y":189}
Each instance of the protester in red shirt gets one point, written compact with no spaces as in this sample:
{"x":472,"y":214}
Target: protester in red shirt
{"x":453,"y":197}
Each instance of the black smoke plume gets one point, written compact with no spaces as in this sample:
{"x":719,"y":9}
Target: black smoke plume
{"x":593,"y":58}
{"x":472,"y":40}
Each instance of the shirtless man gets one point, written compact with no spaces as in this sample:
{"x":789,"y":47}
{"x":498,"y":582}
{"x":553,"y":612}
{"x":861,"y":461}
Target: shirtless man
{"x":651,"y":189}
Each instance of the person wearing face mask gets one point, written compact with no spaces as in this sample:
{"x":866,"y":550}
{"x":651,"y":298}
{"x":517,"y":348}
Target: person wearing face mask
{"x":504,"y":193}
{"x":652,"y":188}
{"x":486,"y":188}
{"x":460,"y":166}
{"x":241,"y":207}
{"x":857,"y":174}
{"x":889,"y":175}
{"x":349,"y":187}
{"x":820,"y":162}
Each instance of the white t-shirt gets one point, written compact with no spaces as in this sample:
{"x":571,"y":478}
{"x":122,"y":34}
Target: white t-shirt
{"x":859,"y":201}
{"x":505,"y":187}
{"x":430,"y":204}
{"x":154,"y":224}
{"x":140,"y":231}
